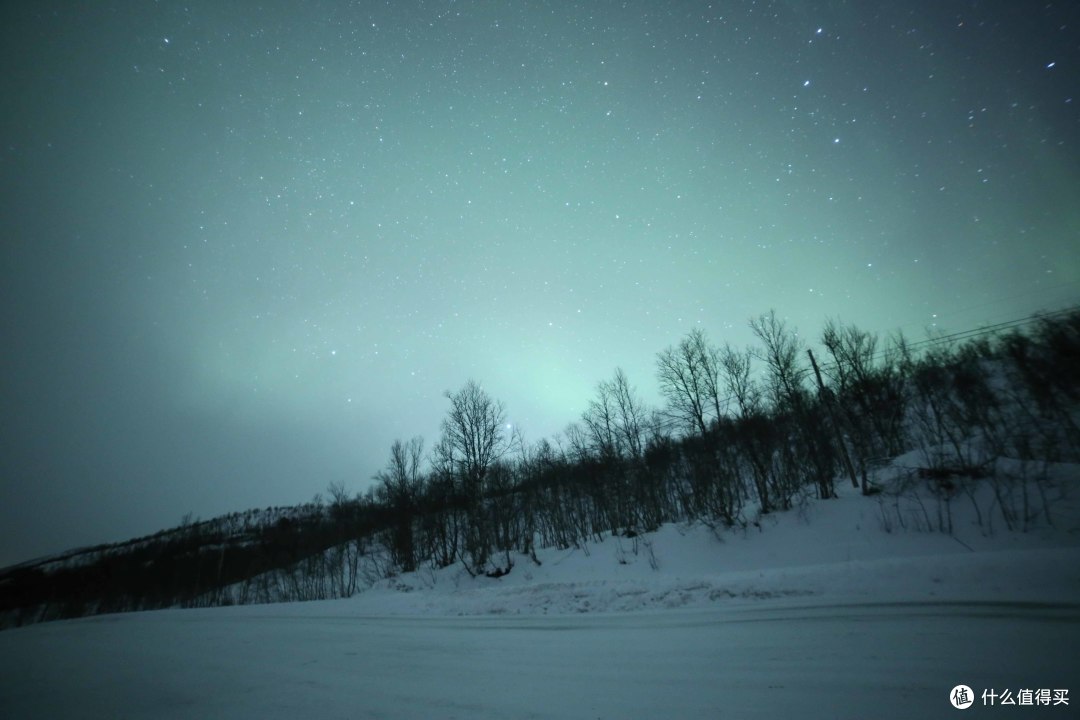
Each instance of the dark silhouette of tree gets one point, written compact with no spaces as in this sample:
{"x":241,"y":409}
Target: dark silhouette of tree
{"x":474,"y":434}
{"x":869,"y":393}
{"x":687,"y":381}
{"x":805,"y":452}
{"x":616,"y":419}
{"x":475,"y":430}
{"x":399,"y":489}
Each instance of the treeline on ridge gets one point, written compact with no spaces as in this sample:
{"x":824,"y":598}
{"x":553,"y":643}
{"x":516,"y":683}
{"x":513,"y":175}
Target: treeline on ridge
{"x":742,"y":432}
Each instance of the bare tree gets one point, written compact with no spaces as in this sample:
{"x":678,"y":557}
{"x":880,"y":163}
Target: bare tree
{"x":442,"y":517}
{"x":633,"y":416}
{"x":474,"y":430}
{"x":713,"y":369}
{"x":577,"y":441}
{"x":692,"y":379}
{"x":401,"y":477}
{"x":780,"y":353}
{"x":750,"y":431}
{"x":599,"y":420}
{"x":683,"y":377}
{"x":734,"y":369}
{"x":400,"y":486}
{"x":344,"y":555}
{"x":869,"y":393}
{"x":474,"y":439}
{"x":807,"y":455}
{"x":616,"y":419}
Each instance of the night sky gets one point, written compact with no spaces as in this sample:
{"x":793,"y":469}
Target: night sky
{"x":247,"y":245}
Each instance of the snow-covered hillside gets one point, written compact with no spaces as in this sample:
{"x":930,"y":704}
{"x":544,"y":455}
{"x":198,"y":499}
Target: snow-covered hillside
{"x":830,"y":610}
{"x":839,"y":550}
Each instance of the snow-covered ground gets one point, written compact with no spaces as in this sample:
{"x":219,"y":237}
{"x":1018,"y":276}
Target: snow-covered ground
{"x":774,"y":659}
{"x":819,"y":613}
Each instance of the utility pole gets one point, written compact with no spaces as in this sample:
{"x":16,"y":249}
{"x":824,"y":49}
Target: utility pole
{"x":827,"y":397}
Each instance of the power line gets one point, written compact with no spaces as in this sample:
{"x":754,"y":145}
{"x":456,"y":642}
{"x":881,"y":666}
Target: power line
{"x":1043,"y":292}
{"x":972,"y":333}
{"x":958,"y":336}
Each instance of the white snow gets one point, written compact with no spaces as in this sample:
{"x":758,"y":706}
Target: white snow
{"x":819,"y":613}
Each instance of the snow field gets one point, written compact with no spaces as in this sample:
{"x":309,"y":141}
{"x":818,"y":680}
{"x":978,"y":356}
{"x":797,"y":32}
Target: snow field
{"x":817,"y":613}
